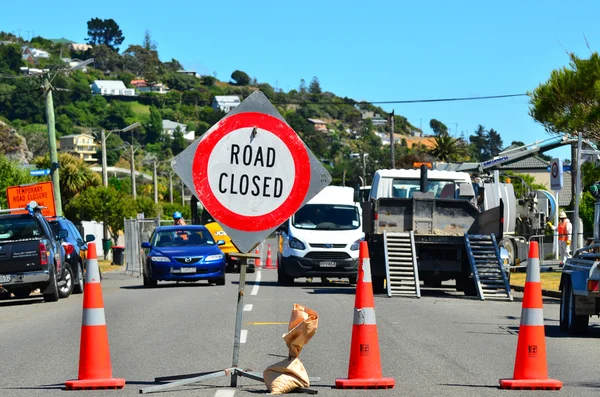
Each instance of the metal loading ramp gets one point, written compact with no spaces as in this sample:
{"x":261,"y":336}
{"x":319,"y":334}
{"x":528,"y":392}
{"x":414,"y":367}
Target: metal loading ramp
{"x":489,"y":276}
{"x":402,"y":276}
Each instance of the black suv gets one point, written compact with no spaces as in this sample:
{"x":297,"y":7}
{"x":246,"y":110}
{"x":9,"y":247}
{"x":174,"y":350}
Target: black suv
{"x":75,"y":248}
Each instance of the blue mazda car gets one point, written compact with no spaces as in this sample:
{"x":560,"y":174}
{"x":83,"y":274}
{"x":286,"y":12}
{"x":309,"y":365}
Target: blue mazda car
{"x":183,"y":253}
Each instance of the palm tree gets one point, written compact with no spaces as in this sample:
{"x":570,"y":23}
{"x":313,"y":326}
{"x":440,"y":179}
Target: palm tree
{"x":445,"y":147}
{"x":75,"y":175}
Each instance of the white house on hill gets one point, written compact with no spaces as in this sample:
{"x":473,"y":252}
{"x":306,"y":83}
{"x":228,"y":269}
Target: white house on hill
{"x":225,"y":103}
{"x":111,"y":87}
{"x":169,"y":128}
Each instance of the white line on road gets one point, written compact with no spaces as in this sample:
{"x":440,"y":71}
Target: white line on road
{"x":248,"y":307}
{"x":225,"y":393}
{"x":243,"y":336}
{"x":256,"y":283}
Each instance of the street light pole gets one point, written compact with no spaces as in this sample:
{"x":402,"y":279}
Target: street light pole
{"x":104,"y":166}
{"x":133,"y":188}
{"x":392,"y":142}
{"x":52,"y":145}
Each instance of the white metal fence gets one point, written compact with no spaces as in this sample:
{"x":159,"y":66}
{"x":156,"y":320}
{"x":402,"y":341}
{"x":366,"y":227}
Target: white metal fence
{"x":137,"y":231}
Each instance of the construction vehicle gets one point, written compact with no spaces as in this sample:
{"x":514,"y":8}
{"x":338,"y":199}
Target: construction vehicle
{"x":580,"y":281}
{"x":426,"y":226}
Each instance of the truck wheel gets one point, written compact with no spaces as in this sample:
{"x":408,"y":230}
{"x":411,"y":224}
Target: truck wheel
{"x":283,"y":278}
{"x":509,"y":244}
{"x":378,"y":284}
{"x":564,"y":306}
{"x":578,"y":324}
{"x":79,"y":284}
{"x":4,"y":295}
{"x":66,"y":290}
{"x":52,"y":294}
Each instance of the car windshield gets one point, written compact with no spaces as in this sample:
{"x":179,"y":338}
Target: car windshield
{"x":327,"y":217}
{"x":182,"y":238}
{"x":404,"y":188}
{"x":19,"y":228}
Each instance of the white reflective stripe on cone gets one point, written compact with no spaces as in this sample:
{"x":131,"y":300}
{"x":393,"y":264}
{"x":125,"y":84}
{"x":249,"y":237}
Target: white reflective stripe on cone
{"x":533,"y":271}
{"x":532,"y":317}
{"x":92,"y":273}
{"x":93,"y":317}
{"x":366,"y":266}
{"x":364,"y":316}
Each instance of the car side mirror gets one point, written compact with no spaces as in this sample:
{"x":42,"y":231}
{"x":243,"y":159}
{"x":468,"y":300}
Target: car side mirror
{"x":220,"y":242}
{"x":62,"y":234}
{"x":146,"y":244}
{"x":89,"y":238}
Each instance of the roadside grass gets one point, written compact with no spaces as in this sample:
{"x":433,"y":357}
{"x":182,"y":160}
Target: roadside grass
{"x":140,"y":109}
{"x":550,"y":280}
{"x":106,"y":266}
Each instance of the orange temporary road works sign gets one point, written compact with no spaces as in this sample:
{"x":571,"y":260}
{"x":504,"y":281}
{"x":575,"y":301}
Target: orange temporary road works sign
{"x":42,"y":193}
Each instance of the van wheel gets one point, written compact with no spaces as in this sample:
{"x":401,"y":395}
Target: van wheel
{"x":79,"y":284}
{"x":283,"y":278}
{"x":577,"y":324}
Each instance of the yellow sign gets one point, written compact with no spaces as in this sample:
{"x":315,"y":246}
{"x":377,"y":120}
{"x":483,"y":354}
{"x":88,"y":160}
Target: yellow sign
{"x":42,"y":193}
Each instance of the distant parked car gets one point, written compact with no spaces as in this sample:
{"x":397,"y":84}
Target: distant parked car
{"x":183,"y":253}
{"x":75,"y":249}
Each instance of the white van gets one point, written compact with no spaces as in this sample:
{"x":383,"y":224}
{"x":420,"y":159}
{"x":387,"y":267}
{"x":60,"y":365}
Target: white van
{"x":322,"y":238}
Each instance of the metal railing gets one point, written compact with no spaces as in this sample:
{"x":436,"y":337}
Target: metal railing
{"x":137,"y":231}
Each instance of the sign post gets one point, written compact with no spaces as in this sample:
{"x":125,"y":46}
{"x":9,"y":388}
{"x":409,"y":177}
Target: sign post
{"x":251,"y":172}
{"x":556,"y":184}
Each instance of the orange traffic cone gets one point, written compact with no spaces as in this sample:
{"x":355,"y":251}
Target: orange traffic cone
{"x":257,"y":260}
{"x":531,"y":367}
{"x":95,"y":370}
{"x":364,"y":370}
{"x":269,"y":264}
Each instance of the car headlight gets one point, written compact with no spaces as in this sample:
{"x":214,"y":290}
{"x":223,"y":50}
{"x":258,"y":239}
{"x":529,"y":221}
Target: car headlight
{"x":297,"y":244}
{"x":160,"y":259}
{"x":356,"y":245}
{"x":217,"y":257}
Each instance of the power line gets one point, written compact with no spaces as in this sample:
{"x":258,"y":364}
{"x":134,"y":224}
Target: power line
{"x":473,"y":98}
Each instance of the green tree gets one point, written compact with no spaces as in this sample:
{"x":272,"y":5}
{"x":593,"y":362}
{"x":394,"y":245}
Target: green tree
{"x":104,"y":32}
{"x":103,"y":204}
{"x":11,"y":174}
{"x":438,"y":127}
{"x":445,"y":147}
{"x":478,"y":143}
{"x":522,"y":183}
{"x":315,"y":86}
{"x":494,"y":143}
{"x":240,"y":78}
{"x":10,"y":58}
{"x":178,"y":142}
{"x":208,"y":81}
{"x":154,"y":128}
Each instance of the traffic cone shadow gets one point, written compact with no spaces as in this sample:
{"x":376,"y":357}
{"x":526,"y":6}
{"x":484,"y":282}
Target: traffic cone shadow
{"x":364,"y":369}
{"x":531,"y":367}
{"x":95,"y":370}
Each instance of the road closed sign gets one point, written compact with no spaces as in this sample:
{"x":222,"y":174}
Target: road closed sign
{"x":42,"y":193}
{"x":251,"y":171}
{"x":556,"y":174}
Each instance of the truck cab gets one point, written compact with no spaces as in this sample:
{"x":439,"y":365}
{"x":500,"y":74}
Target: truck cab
{"x":322,"y":238}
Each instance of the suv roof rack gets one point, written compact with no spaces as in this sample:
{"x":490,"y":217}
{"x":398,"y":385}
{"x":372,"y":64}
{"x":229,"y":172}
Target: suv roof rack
{"x":32,"y":207}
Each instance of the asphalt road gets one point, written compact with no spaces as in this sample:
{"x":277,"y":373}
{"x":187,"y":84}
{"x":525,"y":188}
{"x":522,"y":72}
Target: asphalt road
{"x":440,"y":345}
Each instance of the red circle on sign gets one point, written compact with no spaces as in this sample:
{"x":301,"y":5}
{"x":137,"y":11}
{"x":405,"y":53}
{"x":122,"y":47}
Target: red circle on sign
{"x":554,"y":170}
{"x":301,"y":165}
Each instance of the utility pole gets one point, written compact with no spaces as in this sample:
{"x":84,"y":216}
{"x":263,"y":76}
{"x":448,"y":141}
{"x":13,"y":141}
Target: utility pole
{"x":392,"y":141}
{"x":171,"y":187}
{"x":104,"y":166}
{"x":576,"y":231}
{"x":52,"y":145}
{"x":133,"y":188}
{"x":364,"y":170}
{"x":155,"y":182}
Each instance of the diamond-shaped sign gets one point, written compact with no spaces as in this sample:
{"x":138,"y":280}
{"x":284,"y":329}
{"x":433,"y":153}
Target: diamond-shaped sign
{"x":251,"y":171}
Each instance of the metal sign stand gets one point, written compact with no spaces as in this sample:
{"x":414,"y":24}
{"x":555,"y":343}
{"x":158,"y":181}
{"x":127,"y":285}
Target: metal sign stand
{"x":234,"y":371}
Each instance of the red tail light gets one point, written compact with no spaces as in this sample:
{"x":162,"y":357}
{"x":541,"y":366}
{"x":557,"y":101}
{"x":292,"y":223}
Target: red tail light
{"x":376,"y":216}
{"x":593,"y":285}
{"x":68,"y":248}
{"x":43,"y":254}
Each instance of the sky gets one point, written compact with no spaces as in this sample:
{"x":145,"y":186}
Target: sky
{"x":373,"y":51}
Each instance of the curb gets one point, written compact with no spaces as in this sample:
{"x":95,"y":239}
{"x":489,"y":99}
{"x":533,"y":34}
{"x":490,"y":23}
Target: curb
{"x":545,"y":292}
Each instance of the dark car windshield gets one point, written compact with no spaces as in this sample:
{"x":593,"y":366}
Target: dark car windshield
{"x":182,"y":238}
{"x":327,"y":217}
{"x":19,"y":228}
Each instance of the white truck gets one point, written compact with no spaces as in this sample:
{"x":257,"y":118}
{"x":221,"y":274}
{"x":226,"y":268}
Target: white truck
{"x":322,"y":238}
{"x":580,"y":281}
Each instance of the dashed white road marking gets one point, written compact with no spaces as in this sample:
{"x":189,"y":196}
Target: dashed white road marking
{"x":256,"y":283}
{"x":243,"y":336}
{"x":225,"y":393}
{"x":248,"y":307}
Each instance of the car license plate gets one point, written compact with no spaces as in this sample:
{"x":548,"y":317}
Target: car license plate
{"x":5,"y":278}
{"x":188,"y":270}
{"x":327,"y":264}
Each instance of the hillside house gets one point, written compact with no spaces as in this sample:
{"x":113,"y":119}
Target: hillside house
{"x":81,"y":145}
{"x":189,"y":73}
{"x":319,"y":125}
{"x":111,"y":87}
{"x":79,"y":47}
{"x":169,"y":128}
{"x":225,"y":103}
